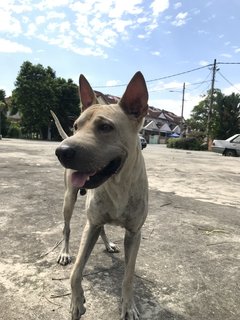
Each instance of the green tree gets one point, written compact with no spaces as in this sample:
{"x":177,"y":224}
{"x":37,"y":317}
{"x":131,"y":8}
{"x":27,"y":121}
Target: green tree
{"x":228,"y":121}
{"x":3,"y":113}
{"x":37,"y":91}
{"x":66,"y":104}
{"x":34,"y":96}
{"x":224,"y":117}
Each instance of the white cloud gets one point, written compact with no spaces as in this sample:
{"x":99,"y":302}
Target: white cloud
{"x":55,"y":15}
{"x":107,"y":38}
{"x":226,"y":55}
{"x":97,"y":52}
{"x":196,"y":11}
{"x":208,"y":4}
{"x":13,"y":47}
{"x":155,"y":53}
{"x":237,"y":50}
{"x":159,"y":6}
{"x":142,"y":36}
{"x":230,"y":90}
{"x":49,"y":4}
{"x":180,"y":19}
{"x":204,"y":32}
{"x":10,"y":6}
{"x":177,"y":5}
{"x":40,"y":20}
{"x":9,"y":24}
{"x":112,"y":83}
{"x":120,"y":7}
{"x":120,"y":25}
{"x":166,"y":86}
{"x":203,"y":63}
{"x":89,"y":41}
{"x":175,"y":105}
{"x":63,"y":27}
{"x":31,"y":30}
{"x":91,"y":25}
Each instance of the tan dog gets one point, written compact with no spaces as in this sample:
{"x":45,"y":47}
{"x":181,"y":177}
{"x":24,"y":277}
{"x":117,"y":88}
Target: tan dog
{"x":70,"y":197}
{"x":105,"y":156}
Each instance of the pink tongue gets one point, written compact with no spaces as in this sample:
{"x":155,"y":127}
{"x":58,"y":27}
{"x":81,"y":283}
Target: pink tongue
{"x":79,"y":179}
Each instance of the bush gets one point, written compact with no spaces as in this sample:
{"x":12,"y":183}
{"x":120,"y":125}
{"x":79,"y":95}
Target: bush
{"x":14,"y":131}
{"x":186,"y":144}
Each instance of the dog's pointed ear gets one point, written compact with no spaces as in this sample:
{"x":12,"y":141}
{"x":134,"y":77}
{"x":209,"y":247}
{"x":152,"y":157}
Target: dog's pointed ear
{"x":86,"y":93}
{"x":134,"y":101}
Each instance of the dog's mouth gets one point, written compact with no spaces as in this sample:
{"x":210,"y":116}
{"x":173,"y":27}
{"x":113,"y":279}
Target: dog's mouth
{"x":94,"y":179}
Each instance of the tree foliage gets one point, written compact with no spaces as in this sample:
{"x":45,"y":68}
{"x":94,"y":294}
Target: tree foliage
{"x":37,"y":91}
{"x":3,"y":111}
{"x":228,"y":117}
{"x":224,"y":116}
{"x":66,"y":104}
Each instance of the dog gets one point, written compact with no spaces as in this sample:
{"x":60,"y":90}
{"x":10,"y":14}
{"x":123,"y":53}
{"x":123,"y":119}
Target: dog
{"x":105,"y":157}
{"x":70,"y":197}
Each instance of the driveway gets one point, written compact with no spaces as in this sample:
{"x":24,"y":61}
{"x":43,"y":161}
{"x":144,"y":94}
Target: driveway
{"x":188,"y":263}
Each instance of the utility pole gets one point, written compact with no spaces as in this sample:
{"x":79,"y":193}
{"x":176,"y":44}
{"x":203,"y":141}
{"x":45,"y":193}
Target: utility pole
{"x":211,"y":104}
{"x":183,"y":99}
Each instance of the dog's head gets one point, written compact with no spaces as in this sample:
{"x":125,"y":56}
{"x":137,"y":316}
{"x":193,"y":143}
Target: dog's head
{"x":104,"y":135}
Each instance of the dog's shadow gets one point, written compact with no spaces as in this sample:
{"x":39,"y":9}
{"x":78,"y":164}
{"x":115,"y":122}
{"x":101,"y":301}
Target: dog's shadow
{"x":109,"y":281}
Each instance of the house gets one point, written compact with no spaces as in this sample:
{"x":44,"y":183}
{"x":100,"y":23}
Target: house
{"x":159,"y":124}
{"x":106,"y":98}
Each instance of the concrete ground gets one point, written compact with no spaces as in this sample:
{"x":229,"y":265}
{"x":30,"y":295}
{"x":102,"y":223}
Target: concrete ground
{"x":188,"y":265}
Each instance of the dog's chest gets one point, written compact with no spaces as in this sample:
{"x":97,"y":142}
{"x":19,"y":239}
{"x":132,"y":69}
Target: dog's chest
{"x":128,"y":211}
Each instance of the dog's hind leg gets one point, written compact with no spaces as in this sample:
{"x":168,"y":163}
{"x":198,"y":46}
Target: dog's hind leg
{"x":70,"y":198}
{"x":110,"y":246}
{"x":131,"y":246}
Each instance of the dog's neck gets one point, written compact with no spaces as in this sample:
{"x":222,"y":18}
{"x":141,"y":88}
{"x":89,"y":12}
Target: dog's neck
{"x":119,"y":185}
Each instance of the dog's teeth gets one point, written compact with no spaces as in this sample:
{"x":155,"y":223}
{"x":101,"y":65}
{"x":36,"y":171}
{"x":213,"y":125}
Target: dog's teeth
{"x":88,"y":178}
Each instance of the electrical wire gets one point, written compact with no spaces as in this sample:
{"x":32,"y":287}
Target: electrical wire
{"x":229,"y":82}
{"x":228,"y":63}
{"x":157,"y":79}
{"x":177,"y":88}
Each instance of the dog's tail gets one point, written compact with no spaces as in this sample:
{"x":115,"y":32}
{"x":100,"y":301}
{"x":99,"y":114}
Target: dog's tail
{"x":58,"y":125}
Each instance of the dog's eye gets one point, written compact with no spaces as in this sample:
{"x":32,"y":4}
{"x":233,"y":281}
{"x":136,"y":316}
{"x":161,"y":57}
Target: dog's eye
{"x":75,"y":127}
{"x":105,"y":127}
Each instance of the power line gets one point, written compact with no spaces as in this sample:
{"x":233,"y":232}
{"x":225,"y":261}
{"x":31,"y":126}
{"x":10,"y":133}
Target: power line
{"x":187,"y":85}
{"x":228,"y":62}
{"x":179,"y":74}
{"x":157,"y":79}
{"x":231,"y":84}
{"x":200,"y":83}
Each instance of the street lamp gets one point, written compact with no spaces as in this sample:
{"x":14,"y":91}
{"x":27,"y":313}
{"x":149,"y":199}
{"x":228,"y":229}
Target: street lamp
{"x":183,"y":99}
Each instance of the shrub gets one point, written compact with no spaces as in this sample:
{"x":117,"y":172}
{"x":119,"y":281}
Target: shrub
{"x":186,"y":144}
{"x":14,"y":131}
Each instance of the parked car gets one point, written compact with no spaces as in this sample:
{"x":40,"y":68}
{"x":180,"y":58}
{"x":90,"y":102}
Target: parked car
{"x":228,"y":147}
{"x":143,"y":141}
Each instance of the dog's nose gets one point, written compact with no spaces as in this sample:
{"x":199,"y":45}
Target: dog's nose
{"x":65,"y":153}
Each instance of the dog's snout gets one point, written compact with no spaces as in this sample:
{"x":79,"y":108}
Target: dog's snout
{"x":65,"y":153}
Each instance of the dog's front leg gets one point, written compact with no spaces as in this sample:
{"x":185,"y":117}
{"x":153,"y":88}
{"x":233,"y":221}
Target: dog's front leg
{"x":70,"y":198}
{"x":131,"y":246}
{"x":89,"y":238}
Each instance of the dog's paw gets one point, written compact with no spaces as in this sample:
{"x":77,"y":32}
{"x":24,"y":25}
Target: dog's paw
{"x":64,"y":259}
{"x":129,"y":312}
{"x":112,"y":247}
{"x":77,"y":308}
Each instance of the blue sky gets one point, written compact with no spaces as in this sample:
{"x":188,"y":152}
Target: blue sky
{"x":109,"y":40}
